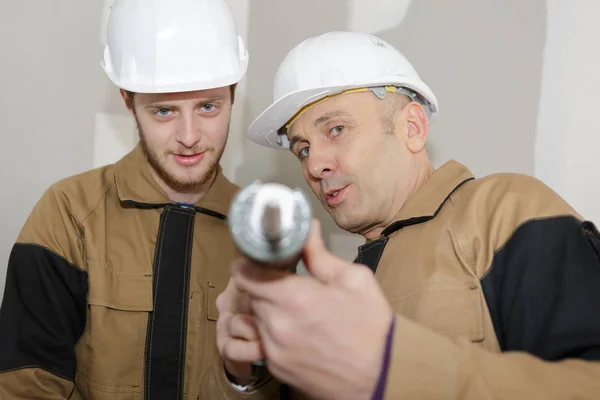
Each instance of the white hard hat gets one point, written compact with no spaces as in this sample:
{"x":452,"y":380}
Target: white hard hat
{"x":333,"y":63}
{"x":164,"y":46}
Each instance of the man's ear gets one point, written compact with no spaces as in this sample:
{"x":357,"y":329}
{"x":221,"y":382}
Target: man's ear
{"x":128,"y":99}
{"x":417,"y":127}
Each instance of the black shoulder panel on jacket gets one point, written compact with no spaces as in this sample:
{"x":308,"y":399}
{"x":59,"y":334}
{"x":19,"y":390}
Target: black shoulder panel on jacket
{"x":43,"y":312}
{"x":543,"y":290}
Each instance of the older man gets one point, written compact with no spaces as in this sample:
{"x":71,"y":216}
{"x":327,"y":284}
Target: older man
{"x":470,"y":288}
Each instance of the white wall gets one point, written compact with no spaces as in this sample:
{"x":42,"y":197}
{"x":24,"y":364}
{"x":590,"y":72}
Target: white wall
{"x":568,"y":134}
{"x":232,"y":157}
{"x":484,"y":60}
{"x":51,"y":86}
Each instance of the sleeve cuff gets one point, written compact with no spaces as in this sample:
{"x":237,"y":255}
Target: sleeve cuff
{"x":239,"y":388}
{"x":242,"y":388}
{"x":261,"y":375}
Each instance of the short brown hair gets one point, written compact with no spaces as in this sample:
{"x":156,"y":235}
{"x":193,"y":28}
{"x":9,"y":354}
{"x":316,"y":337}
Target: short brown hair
{"x":392,"y":103}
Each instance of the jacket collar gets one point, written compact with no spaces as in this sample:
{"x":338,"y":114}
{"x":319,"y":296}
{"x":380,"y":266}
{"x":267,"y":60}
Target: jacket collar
{"x":426,"y":202}
{"x":135,"y":185}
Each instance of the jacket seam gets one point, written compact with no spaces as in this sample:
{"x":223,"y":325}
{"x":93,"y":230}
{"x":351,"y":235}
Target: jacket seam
{"x":402,"y":223}
{"x":100,"y":198}
{"x":150,"y":331}
{"x":107,"y":388}
{"x":35,"y":366}
{"x":457,"y":236}
{"x":369,"y":245}
{"x":435,"y":287}
{"x":185,"y":296}
{"x":78,"y":221}
{"x":513,"y":233}
{"x":120,"y":273}
{"x":53,"y":252}
{"x":81,"y":231}
{"x":382,"y":247}
{"x":93,"y":301}
{"x":588,"y":236}
{"x":78,"y":227}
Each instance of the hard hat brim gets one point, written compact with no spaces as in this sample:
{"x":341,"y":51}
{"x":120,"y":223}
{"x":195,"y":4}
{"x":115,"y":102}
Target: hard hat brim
{"x":264,"y":129}
{"x":177,"y":87}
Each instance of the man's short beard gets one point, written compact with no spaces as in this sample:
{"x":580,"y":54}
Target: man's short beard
{"x":172,"y":181}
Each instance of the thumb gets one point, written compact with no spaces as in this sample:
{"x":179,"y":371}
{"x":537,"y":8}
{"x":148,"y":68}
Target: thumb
{"x":319,"y":261}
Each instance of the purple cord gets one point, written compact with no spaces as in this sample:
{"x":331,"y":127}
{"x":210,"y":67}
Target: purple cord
{"x":380,"y":388}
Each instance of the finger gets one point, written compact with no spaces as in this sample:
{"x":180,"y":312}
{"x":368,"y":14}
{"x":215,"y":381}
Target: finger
{"x":276,"y":328}
{"x":233,"y":300}
{"x":259,"y":282}
{"x":243,"y":326}
{"x":239,"y":350}
{"x":319,"y":261}
{"x":242,"y":303}
{"x":258,"y":272}
{"x":225,"y":300}
{"x":223,"y":329}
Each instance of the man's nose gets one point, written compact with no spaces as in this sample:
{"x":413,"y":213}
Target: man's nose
{"x":189,"y":130}
{"x":321,"y":162}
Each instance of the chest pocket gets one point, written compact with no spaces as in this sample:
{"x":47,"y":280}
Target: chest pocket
{"x":452,"y":309}
{"x":438,"y":299}
{"x":111,"y":351}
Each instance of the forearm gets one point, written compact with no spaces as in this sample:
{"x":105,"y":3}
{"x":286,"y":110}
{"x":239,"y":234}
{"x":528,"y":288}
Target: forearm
{"x":428,"y":365}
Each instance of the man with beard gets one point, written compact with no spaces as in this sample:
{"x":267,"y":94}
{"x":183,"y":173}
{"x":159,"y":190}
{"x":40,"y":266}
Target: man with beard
{"x":466,"y":288}
{"x":111,"y":285}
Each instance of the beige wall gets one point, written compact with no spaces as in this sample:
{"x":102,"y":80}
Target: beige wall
{"x":484,"y":60}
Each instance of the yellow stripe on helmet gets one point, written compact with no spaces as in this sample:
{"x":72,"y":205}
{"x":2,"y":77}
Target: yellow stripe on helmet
{"x":390,"y":89}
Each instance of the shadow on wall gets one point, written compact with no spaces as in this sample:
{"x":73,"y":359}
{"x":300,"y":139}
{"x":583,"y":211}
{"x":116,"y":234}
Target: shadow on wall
{"x":275,"y":27}
{"x":482,"y":59}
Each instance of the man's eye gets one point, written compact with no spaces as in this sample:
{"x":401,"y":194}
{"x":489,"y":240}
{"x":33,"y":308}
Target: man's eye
{"x":336,"y":130}
{"x":303,"y":153}
{"x":163,"y":112}
{"x":208,"y":107}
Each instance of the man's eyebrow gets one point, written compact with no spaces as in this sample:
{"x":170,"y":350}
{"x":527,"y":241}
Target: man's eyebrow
{"x":295,"y":139}
{"x":330,"y":115}
{"x":208,"y":100}
{"x":170,"y":106}
{"x":322,"y":119}
{"x":160,"y":105}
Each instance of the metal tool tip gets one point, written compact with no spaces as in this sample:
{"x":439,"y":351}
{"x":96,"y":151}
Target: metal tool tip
{"x":271,"y":222}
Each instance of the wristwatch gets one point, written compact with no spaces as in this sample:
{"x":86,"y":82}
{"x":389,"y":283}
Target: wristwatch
{"x":260,"y":375}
